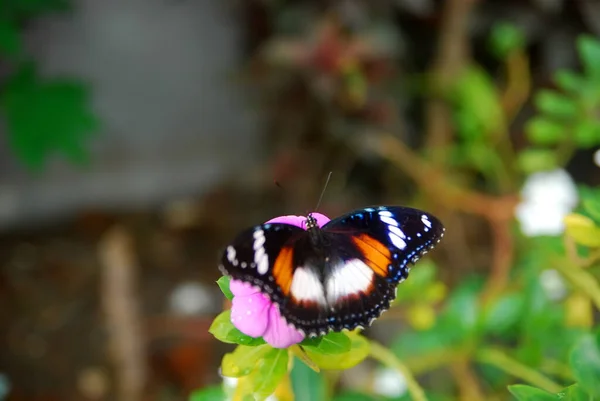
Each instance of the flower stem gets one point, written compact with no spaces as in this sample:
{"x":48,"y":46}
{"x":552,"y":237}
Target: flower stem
{"x":515,"y":368}
{"x":386,"y":357}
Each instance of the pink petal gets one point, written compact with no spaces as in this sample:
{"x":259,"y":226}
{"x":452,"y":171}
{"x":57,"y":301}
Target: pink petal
{"x":240,"y":288}
{"x":250,"y":314}
{"x":279,"y":334}
{"x":299,"y":221}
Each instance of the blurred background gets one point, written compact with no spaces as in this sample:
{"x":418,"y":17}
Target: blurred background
{"x":138,"y":137}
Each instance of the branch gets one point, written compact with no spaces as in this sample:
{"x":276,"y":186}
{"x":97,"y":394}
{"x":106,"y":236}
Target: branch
{"x":434,"y":182}
{"x":123,"y":321}
{"x":452,"y":52}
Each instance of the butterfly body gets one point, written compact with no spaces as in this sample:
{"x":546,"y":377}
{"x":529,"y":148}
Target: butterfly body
{"x":339,"y":276}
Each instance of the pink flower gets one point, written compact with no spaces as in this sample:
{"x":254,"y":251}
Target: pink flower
{"x":254,"y":314}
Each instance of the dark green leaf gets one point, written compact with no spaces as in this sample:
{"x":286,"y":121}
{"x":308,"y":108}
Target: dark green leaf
{"x":587,"y":133}
{"x":415,"y":343}
{"x":585,"y":363}
{"x":589,"y":51}
{"x":534,"y":160}
{"x":528,"y":393}
{"x":308,"y":385}
{"x":10,"y":38}
{"x":223,"y":284}
{"x":570,"y":82}
{"x":556,"y":104}
{"x":591,"y":205}
{"x":44,"y":117}
{"x":225,"y":331}
{"x":543,"y":131}
{"x":268,"y":372}
{"x":420,"y":278}
{"x":460,"y":316}
{"x":214,"y":393}
{"x":242,"y":360}
{"x":332,"y":343}
{"x":574,"y":393}
{"x":358,"y":351}
{"x":504,"y":314}
{"x":506,"y":38}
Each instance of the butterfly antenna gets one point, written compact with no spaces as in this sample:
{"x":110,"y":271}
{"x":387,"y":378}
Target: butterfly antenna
{"x":323,"y":191}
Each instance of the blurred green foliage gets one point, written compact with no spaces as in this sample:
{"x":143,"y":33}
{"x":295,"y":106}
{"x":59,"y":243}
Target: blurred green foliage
{"x":529,"y":341}
{"x":43,"y":115}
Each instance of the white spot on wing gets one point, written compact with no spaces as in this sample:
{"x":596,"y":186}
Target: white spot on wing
{"x":306,"y":286}
{"x":397,"y":241}
{"x":426,"y":221}
{"x":261,"y":260}
{"x":389,"y":221}
{"x":385,"y":213}
{"x":397,"y":231}
{"x":231,"y":254}
{"x":351,"y":277}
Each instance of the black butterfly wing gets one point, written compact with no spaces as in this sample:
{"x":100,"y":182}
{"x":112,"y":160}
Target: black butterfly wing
{"x":369,"y":252}
{"x":263,"y":256}
{"x":390,"y":237}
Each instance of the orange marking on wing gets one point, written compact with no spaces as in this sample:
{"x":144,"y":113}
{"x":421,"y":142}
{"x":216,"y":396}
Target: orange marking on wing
{"x":283,"y":269}
{"x":377,"y":255}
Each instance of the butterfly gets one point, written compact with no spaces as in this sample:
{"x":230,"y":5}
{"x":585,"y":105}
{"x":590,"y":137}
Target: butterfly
{"x":342,"y":275}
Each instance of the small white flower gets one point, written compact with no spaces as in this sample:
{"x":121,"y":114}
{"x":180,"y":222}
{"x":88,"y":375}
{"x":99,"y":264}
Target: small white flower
{"x":597,"y":158}
{"x":547,"y":197}
{"x":389,"y":383}
{"x":190,"y":299}
{"x":553,"y":284}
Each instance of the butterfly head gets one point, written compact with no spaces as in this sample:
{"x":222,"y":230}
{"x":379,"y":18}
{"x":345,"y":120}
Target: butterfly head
{"x":311,"y":222}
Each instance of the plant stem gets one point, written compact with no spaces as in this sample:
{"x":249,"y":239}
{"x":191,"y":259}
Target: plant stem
{"x":387,"y":357}
{"x":515,"y":368}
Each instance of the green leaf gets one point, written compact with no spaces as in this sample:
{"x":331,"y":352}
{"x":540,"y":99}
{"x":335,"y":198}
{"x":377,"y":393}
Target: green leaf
{"x":504,"y":314}
{"x":543,"y":131}
{"x":331,"y":343}
{"x":242,"y":360}
{"x":308,"y":385}
{"x":574,"y":393}
{"x":10,"y":39}
{"x":414,"y":343}
{"x":589,"y":51}
{"x":476,"y":98}
{"x":534,"y":160}
{"x":585,"y":363}
{"x":570,"y":82}
{"x":591,"y":205}
{"x":556,"y":104}
{"x":587,"y":133}
{"x":420,"y":279}
{"x":460,"y":316}
{"x":223,"y":284}
{"x":528,"y":393}
{"x":225,"y":331}
{"x":359,"y":350}
{"x":506,"y":38}
{"x":46,"y":116}
{"x":269,"y":371}
{"x":214,"y":393}
{"x":583,"y":230}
